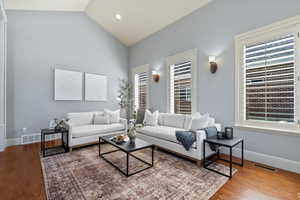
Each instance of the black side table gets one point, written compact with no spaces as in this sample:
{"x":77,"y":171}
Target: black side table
{"x":64,"y":147}
{"x":224,"y":143}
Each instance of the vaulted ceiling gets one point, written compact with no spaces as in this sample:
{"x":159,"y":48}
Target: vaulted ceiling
{"x":137,"y":19}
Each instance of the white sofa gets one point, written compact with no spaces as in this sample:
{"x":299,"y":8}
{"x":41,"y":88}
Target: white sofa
{"x":163,"y":135}
{"x":83,"y":131}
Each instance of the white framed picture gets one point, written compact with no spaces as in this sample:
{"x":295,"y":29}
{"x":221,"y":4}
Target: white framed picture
{"x":95,"y":87}
{"x":68,"y":85}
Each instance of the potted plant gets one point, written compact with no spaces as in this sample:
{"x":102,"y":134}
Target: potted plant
{"x":125,"y":97}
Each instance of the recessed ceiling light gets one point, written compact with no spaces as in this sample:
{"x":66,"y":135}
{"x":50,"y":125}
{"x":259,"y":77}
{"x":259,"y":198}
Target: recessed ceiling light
{"x":118,"y":17}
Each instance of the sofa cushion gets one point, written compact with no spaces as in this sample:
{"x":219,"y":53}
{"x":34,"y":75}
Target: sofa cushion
{"x":162,"y":132}
{"x":114,"y":116}
{"x":88,"y":130}
{"x":80,"y":118}
{"x":101,"y":119}
{"x":173,"y":120}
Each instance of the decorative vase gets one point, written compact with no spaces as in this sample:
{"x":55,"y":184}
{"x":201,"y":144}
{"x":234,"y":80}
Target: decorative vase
{"x":132,"y":140}
{"x":132,"y":135}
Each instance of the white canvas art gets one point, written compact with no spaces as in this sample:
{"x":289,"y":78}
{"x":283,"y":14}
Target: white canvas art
{"x":67,"y":85}
{"x":95,"y":87}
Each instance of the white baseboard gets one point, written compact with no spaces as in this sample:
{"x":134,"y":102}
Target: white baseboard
{"x":18,"y":141}
{"x":13,"y":141}
{"x":2,"y":148}
{"x":2,"y":137}
{"x":274,"y":161}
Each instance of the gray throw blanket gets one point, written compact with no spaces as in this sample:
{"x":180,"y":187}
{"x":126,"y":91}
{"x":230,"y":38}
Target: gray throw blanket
{"x":187,"y":138}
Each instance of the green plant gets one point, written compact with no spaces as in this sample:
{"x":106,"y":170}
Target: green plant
{"x":125,"y":96}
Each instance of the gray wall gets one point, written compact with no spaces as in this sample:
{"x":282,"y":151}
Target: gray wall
{"x":211,"y":30}
{"x":40,"y":41}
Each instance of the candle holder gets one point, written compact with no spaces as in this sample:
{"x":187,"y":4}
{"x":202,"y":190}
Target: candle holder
{"x":228,"y":132}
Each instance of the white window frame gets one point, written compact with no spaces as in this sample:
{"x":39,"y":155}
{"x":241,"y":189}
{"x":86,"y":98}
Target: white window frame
{"x":290,"y":26}
{"x":187,"y":56}
{"x":137,"y":70}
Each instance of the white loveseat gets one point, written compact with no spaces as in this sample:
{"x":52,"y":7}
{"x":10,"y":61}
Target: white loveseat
{"x":83,"y":131}
{"x":163,"y":135}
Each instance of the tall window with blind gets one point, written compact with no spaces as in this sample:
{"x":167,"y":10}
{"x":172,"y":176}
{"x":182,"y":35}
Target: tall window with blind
{"x":270,"y":80}
{"x":180,"y":88}
{"x":267,"y":78}
{"x":141,"y":78}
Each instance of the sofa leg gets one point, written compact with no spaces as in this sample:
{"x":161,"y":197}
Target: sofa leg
{"x":199,"y":163}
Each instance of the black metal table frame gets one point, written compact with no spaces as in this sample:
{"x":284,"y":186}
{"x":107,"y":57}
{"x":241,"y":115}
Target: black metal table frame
{"x":65,"y":145}
{"x":206,"y":162}
{"x":126,"y":173}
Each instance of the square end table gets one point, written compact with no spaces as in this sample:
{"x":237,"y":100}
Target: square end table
{"x":49,"y":151}
{"x":229,"y":143}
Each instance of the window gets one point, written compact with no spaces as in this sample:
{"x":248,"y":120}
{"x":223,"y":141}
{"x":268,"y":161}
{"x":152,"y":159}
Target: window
{"x":267,"y":75}
{"x":270,"y":74}
{"x":182,"y":82}
{"x":141,"y":87}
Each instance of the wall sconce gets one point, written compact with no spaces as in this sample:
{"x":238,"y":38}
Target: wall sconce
{"x":155,"y":76}
{"x":213,"y":64}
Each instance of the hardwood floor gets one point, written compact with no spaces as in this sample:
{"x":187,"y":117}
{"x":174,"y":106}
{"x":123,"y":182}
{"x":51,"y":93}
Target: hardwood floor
{"x":21,"y":178}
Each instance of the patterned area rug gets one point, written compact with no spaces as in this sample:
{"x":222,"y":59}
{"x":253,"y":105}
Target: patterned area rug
{"x":81,"y":174}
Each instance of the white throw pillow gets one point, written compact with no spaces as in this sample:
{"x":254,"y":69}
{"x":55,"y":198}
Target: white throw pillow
{"x":196,"y":115}
{"x":211,"y":122}
{"x":101,"y":119}
{"x":161,"y":118}
{"x":200,"y":122}
{"x":114,"y":116}
{"x":151,"y":119}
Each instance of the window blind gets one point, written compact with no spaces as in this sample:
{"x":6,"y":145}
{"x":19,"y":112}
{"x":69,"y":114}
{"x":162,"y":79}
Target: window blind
{"x":180,"y":90}
{"x":141,"y":88}
{"x":270,"y":80}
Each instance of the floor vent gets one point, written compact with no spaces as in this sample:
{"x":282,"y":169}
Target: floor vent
{"x":272,"y":169}
{"x":28,"y":139}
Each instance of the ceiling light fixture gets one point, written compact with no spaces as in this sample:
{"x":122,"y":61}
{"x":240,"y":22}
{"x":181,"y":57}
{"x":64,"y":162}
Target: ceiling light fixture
{"x":118,"y":17}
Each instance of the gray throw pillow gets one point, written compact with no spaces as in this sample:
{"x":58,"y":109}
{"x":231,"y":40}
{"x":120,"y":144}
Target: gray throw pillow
{"x":140,"y":116}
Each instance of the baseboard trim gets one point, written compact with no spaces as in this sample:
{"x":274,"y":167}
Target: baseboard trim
{"x":2,"y":148}
{"x":18,"y":141}
{"x":13,"y":141}
{"x":274,"y":161}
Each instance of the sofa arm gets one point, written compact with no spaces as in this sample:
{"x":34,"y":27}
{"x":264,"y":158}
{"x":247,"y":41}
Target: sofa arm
{"x":69,"y":126}
{"x":124,"y":122}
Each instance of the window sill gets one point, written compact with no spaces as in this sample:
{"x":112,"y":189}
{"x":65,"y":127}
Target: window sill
{"x":274,"y":131}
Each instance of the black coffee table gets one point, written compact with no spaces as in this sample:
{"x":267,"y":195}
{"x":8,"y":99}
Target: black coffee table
{"x":127,"y":148}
